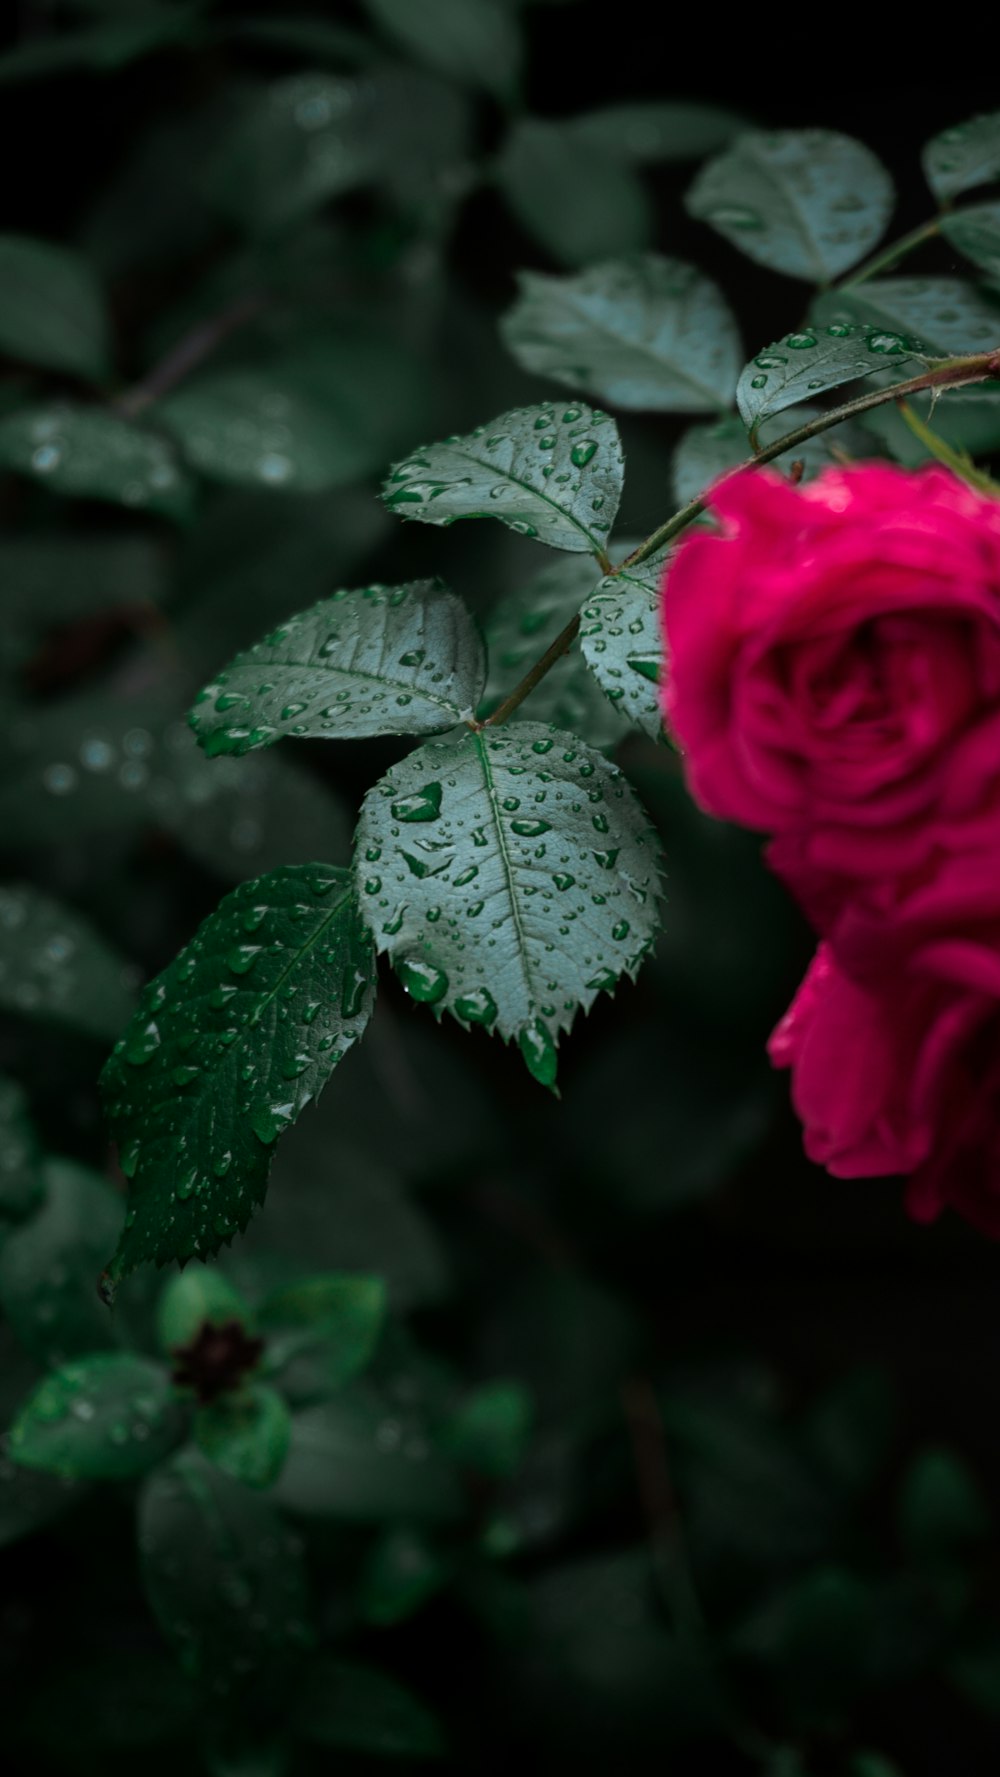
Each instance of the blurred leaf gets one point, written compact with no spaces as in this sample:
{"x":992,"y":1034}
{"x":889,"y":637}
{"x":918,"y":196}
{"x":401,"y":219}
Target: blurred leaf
{"x":975,"y":231}
{"x":91,"y":453}
{"x":942,"y":1512}
{"x":108,"y":1416}
{"x":55,"y":967}
{"x":103,"y":47}
{"x":818,"y":1635}
{"x":378,"y":660}
{"x":492,"y":814}
{"x":29,"y":1498}
{"x":489,"y":1431}
{"x":48,"y":1265}
{"x":713,"y":448}
{"x":324,"y":410}
{"x":519,"y":630}
{"x":95,"y":1703}
{"x":848,"y":1429}
{"x":648,"y":333}
{"x":224,"y":1579}
{"x":621,"y":640}
{"x":964,"y":419}
{"x":315,"y":39}
{"x":424,"y":129}
{"x":809,"y":203}
{"x":193,"y":1296}
{"x":296,"y":144}
{"x":964,"y":156}
{"x":273,"y":989}
{"x":21,"y":1187}
{"x":659,"y":130}
{"x":358,"y":1708}
{"x":51,"y":308}
{"x":872,"y":1764}
{"x":548,"y":474}
{"x":55,"y":578}
{"x":246,"y":1433}
{"x":335,"y":1319}
{"x":809,"y":363}
{"x":949,"y":315}
{"x":476,"y":42}
{"x":578,"y":199}
{"x":403,"y":1570}
{"x":357,"y":1459}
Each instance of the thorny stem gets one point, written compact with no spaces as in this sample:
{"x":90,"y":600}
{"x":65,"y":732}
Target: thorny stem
{"x":187,"y":354}
{"x":953,"y":373}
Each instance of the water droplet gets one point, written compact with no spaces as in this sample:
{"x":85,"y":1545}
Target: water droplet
{"x":423,"y":805}
{"x":141,"y":1043}
{"x":530,"y":829}
{"x":477,"y":1007}
{"x":539,"y":1052}
{"x":582,"y":453}
{"x":423,"y":980}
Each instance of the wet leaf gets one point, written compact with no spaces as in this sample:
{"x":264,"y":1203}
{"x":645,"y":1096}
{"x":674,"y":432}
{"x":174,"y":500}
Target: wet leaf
{"x":48,"y":1265}
{"x":56,"y":968}
{"x":91,"y":453}
{"x":964,"y":156}
{"x":51,"y":308}
{"x":579,"y":199}
{"x":808,"y":363}
{"x":361,"y":1709}
{"x":108,"y":1416}
{"x":475,"y":42}
{"x":622,"y":643}
{"x":246,"y":1434}
{"x":518,"y":631}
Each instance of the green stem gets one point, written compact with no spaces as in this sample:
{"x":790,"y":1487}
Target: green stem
{"x":889,"y":256}
{"x":951,"y":373}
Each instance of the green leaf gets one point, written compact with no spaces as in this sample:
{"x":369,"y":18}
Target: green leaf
{"x":809,"y":203}
{"x":29,"y":1498}
{"x":223,"y":1577}
{"x":48,"y":1265}
{"x":106,"y":1417}
{"x":354,"y":1459}
{"x":335,"y":1319}
{"x":964,"y":156}
{"x":321,"y":411}
{"x":551,"y":472}
{"x":580,"y":200}
{"x":545,"y":834}
{"x":103,"y":47}
{"x":714,"y":447}
{"x":55,"y":967}
{"x":246,"y":1433}
{"x":51,"y":308}
{"x":475,"y":42}
{"x":239,"y":1033}
{"x":966,"y":420}
{"x":358,"y":1708}
{"x":942,"y":1512}
{"x":622,"y":643}
{"x":948,"y":315}
{"x":490,"y":1430}
{"x":820,"y":358}
{"x":89,"y":452}
{"x":647,"y":333}
{"x":296,"y":144}
{"x":518,"y":631}
{"x":402,"y":1572}
{"x":54,"y":579}
{"x":659,"y":130}
{"x":195,"y":1295}
{"x":976,"y":233}
{"x":21,"y":1186}
{"x":376,"y":660}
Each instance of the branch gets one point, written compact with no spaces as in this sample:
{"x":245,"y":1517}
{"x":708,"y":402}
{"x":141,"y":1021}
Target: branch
{"x":192,"y":350}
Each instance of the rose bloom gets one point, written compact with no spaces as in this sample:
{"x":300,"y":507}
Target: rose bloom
{"x":894,"y":1044}
{"x":834,"y":651}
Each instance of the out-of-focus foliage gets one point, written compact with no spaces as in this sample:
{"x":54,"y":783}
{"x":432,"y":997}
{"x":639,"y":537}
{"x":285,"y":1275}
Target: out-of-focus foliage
{"x":514,"y":1428}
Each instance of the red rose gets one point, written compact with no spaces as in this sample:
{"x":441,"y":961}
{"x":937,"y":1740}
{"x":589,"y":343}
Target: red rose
{"x":833,"y":649}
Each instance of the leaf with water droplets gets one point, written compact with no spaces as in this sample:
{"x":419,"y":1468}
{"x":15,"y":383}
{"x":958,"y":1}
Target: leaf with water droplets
{"x":966,"y":155}
{"x":238,"y":1034}
{"x":949,"y":316}
{"x":359,"y":1709}
{"x":816,"y":359}
{"x":108,"y":1416}
{"x":520,"y":629}
{"x":809,"y":203}
{"x":975,"y":231}
{"x":658,"y":129}
{"x":246,"y":1433}
{"x":51,"y":308}
{"x":554,"y":472}
{"x":48,"y":1265}
{"x":622,"y":643}
{"x":580,"y":199}
{"x":91,"y":453}
{"x":376,"y":660}
{"x":20,"y":1155}
{"x":714,"y":447}
{"x":224,"y":1579}
{"x":516,"y":878}
{"x":291,"y":146}
{"x":55,"y":967}
{"x":326,"y":409}
{"x":645,"y":333}
{"x":325,"y":1329}
{"x":474,"y":42}
{"x":363,"y":1459}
